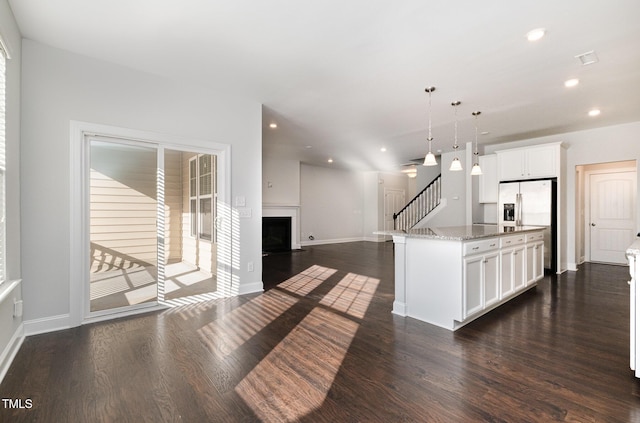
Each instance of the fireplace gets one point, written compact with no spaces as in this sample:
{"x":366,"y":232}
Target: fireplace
{"x":276,"y":234}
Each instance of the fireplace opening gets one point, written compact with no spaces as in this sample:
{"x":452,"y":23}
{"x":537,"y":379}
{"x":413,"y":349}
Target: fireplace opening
{"x":276,"y":234}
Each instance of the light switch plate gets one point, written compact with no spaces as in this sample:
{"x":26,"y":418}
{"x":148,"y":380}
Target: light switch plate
{"x":241,"y":201}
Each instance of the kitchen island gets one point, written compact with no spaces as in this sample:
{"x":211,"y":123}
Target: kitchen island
{"x":633,"y":257}
{"x":449,"y":276}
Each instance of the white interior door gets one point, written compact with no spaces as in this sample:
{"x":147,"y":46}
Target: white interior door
{"x":393,"y":203}
{"x":612,"y":215}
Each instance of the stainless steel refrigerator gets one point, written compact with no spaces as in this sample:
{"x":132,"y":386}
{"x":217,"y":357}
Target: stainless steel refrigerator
{"x":531,"y":203}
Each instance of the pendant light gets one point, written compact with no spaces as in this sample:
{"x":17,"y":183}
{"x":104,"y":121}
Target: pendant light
{"x":430,"y":159}
{"x":475,"y":169}
{"x":455,"y":164}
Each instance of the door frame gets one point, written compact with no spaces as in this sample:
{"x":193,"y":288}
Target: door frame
{"x":79,"y":216}
{"x":587,"y":199}
{"x":385,"y":191}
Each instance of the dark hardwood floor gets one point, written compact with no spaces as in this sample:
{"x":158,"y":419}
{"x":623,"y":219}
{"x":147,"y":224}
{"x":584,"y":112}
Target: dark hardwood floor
{"x":321,"y":345}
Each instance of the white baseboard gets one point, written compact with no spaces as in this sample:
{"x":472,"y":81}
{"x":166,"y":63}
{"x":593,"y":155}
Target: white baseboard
{"x":10,"y":351}
{"x":399,"y":308}
{"x":250,"y":288}
{"x":572,"y":267}
{"x":331,"y":241}
{"x":378,"y":238}
{"x":46,"y":324}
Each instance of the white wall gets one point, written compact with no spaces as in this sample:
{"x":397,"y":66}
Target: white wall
{"x":332,"y":204}
{"x":426,"y":174}
{"x":59,"y":87}
{"x":601,"y":145}
{"x":337,"y":205}
{"x":10,"y":326}
{"x":280,"y":182}
{"x":454,"y":190}
{"x":372,"y":212}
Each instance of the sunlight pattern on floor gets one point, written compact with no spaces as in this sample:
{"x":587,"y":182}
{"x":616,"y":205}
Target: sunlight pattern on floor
{"x":224,"y":335}
{"x":352,"y":294}
{"x":307,"y":280}
{"x":280,"y":387}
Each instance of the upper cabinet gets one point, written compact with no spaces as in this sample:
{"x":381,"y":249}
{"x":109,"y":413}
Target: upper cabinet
{"x":541,"y":161}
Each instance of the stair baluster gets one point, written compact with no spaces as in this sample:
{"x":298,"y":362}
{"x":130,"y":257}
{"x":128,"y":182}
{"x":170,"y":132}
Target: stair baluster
{"x":419,"y":207}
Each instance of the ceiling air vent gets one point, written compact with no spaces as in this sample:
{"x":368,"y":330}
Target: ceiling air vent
{"x":587,"y":58}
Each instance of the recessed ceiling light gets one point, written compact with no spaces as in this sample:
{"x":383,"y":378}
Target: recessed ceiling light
{"x":594,"y":112}
{"x":273,"y":125}
{"x":485,"y":133}
{"x":308,"y":147}
{"x":383,"y":149}
{"x":571,"y":82}
{"x":330,"y":161}
{"x":536,"y":34}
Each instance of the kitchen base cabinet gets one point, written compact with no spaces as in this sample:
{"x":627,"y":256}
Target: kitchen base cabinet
{"x":473,"y":275}
{"x":506,"y":273}
{"x":449,"y":282}
{"x":535,"y":257}
{"x":633,"y":257}
{"x":512,"y":270}
{"x":491,"y":279}
{"x":481,"y":282}
{"x":519,"y":260}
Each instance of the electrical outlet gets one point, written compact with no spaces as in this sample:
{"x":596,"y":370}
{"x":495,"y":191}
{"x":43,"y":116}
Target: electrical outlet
{"x":17,"y":308}
{"x":250,"y":266}
{"x":244,"y":212}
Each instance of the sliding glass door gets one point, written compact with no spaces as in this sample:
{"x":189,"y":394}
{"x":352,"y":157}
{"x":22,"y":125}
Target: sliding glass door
{"x":190,"y":235}
{"x":123,"y":225}
{"x":152,"y":225}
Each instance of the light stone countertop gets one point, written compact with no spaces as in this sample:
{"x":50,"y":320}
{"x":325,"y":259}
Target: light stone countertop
{"x":464,"y":233}
{"x":634,"y":249}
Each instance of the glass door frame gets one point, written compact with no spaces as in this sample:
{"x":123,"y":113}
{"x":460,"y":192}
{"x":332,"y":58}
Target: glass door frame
{"x":159,"y":215}
{"x":81,"y":133}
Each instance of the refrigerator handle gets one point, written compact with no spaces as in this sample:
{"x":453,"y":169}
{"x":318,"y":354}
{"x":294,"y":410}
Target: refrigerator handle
{"x":519,"y":209}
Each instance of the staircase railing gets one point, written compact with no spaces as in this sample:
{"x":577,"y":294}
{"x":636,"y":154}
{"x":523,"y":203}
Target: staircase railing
{"x":421,"y":205}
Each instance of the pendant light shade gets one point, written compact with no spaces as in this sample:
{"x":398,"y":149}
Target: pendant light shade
{"x":430,"y":158}
{"x":455,"y":164}
{"x":475,"y":169}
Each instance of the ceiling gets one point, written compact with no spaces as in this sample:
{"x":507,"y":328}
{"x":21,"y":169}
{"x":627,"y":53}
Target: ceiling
{"x":343,"y":79}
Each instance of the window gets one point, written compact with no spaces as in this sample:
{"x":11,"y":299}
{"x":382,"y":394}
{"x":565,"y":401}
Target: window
{"x":202,"y":196}
{"x":2,"y":167}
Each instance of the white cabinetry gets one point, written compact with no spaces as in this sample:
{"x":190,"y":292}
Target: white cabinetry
{"x":481,"y":286}
{"x":488,"y":181}
{"x":542,"y":161}
{"x":451,"y":282}
{"x":473,"y":270}
{"x":512,"y":255}
{"x":491,"y":279}
{"x":519,"y":263}
{"x":535,"y":257}
{"x":633,"y":256}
